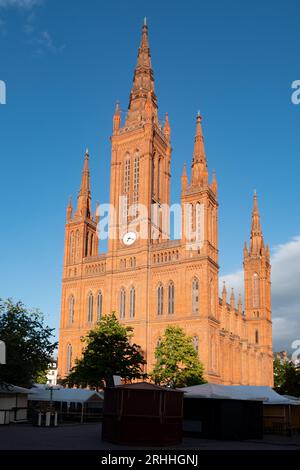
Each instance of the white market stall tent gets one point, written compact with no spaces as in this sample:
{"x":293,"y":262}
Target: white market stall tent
{"x":71,"y":403}
{"x":13,"y":403}
{"x":238,"y":392}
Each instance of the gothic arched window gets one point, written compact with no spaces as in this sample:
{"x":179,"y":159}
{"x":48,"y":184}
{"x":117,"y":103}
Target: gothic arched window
{"x":255,"y":290}
{"x":160,"y":299}
{"x":91,"y":244}
{"x":158,"y":178}
{"x":122,"y":302}
{"x":212,"y":298}
{"x":136,"y":180}
{"x":72,"y":247}
{"x":71,"y":308}
{"x":99,"y":305}
{"x":76,"y":250}
{"x":195,"y":295}
{"x":199,"y":222}
{"x":132,"y":303}
{"x":87,"y":239}
{"x":127,"y":174}
{"x":256,"y":337}
{"x":171,"y":293}
{"x":90,"y":305}
{"x":188,"y":223}
{"x":69,"y":358}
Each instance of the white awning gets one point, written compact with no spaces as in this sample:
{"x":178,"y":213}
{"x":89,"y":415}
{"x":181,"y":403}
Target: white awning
{"x":70,"y":395}
{"x":237,"y":392}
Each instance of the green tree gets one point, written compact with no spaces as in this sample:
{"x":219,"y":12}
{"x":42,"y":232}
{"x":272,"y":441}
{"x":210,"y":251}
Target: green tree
{"x":286,"y":378}
{"x":29,"y":345}
{"x":108,"y":352}
{"x":177,"y":363}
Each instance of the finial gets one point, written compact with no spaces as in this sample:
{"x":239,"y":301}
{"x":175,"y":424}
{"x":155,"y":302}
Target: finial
{"x":117,"y":111}
{"x":87,"y":151}
{"x":145,"y":21}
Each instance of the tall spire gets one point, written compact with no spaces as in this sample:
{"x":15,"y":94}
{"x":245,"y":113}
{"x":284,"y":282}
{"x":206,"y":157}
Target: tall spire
{"x":117,"y":118}
{"x":232,"y":299}
{"x":224,"y":293}
{"x":84,"y":195}
{"x":69,"y":209}
{"x":184,"y":179}
{"x":256,"y":237}
{"x":143,"y":83}
{"x":167,"y":128}
{"x":199,"y":165}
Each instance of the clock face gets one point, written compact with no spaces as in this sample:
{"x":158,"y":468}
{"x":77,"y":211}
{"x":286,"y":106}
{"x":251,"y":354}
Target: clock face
{"x":129,"y":238}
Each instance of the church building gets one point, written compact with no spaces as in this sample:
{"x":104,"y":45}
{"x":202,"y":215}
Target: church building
{"x":150,"y":280}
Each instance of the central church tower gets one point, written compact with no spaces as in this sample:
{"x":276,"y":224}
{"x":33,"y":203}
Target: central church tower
{"x":140,"y":163}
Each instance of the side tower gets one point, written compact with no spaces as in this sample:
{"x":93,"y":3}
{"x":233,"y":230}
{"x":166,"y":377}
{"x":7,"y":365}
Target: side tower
{"x":257,"y":280}
{"x":200,"y":220}
{"x":81,"y":242}
{"x":200,"y":249}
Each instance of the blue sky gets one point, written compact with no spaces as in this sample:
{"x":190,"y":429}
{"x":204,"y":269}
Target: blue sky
{"x":65,"y":64}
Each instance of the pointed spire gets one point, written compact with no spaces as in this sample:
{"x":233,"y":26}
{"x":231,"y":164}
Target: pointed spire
{"x":199,"y":165}
{"x":167,"y":128}
{"x":256,"y":237}
{"x":117,"y":118}
{"x":143,"y":84}
{"x":224,"y":293}
{"x":214,"y":184}
{"x":232,"y":299}
{"x":84,"y":195}
{"x":184,"y":178}
{"x":240,"y":304}
{"x":69,"y":209}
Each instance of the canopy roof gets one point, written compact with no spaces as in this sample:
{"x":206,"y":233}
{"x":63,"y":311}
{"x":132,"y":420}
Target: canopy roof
{"x":147,"y":386}
{"x":12,"y":389}
{"x":72,"y":395}
{"x":237,"y":392}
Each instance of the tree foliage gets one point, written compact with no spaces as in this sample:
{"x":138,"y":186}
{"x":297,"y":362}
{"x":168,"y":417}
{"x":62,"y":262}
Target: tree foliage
{"x":286,"y":378}
{"x":107,"y":352}
{"x":29,"y":345}
{"x":177,"y":363}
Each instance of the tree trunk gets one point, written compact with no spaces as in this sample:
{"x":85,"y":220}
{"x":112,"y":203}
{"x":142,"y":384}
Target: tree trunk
{"x":109,"y":381}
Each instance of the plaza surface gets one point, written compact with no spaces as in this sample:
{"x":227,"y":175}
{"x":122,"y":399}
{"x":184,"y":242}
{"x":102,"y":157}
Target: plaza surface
{"x":88,"y":437}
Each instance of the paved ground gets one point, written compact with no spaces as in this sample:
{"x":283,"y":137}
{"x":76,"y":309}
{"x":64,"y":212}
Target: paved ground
{"x":88,"y":437}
